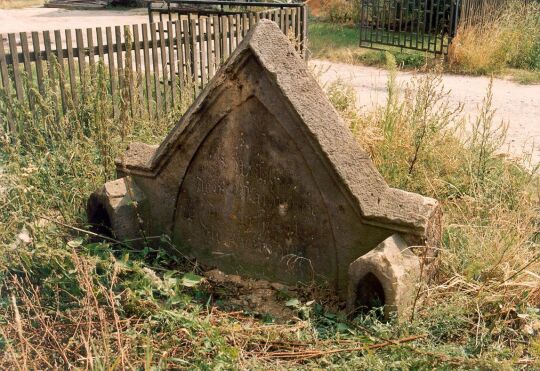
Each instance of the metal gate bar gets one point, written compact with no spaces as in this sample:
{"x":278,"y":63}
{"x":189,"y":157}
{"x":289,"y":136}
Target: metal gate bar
{"x":424,"y":25}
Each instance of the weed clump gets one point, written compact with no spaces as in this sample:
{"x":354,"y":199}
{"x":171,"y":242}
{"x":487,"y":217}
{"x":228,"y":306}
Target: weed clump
{"x":487,"y":283}
{"x":505,"y":36}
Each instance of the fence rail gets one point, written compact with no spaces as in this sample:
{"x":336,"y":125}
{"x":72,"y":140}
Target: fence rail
{"x":167,"y":59}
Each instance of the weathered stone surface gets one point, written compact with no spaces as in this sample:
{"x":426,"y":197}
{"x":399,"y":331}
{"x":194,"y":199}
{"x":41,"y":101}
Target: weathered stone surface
{"x":262,"y":177}
{"x":388,"y":275}
{"x":116,"y":206}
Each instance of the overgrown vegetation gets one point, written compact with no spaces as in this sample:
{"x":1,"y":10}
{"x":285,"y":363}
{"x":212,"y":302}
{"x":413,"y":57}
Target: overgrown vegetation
{"x":344,"y":12}
{"x":69,"y":299}
{"x":507,"y":36}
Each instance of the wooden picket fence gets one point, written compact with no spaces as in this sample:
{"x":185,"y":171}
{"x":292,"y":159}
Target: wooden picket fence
{"x":167,"y":59}
{"x":292,"y":16}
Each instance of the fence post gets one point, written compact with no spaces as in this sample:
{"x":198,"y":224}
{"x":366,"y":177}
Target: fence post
{"x":203,"y":50}
{"x":147,"y":78}
{"x":305,"y":32}
{"x":155,"y":65}
{"x":37,"y":58}
{"x":202,"y":44}
{"x":71,"y":68}
{"x":172,"y":63}
{"x":195,"y":54}
{"x":179,"y":55}
{"x":230,"y":34}
{"x":217,"y":42}
{"x":119,"y":60}
{"x":15,"y":63}
{"x":28,"y":69}
{"x":137,"y":49}
{"x":4,"y":76}
{"x":225,"y":37}
{"x":187,"y":46}
{"x":49,"y":57}
{"x":91,"y":56}
{"x":209,"y":38}
{"x":110,"y":59}
{"x":128,"y":42}
{"x":163,"y":45}
{"x":150,"y":15}
{"x":81,"y":55}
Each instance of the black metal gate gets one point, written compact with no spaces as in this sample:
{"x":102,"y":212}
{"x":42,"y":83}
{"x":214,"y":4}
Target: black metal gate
{"x":425,"y":25}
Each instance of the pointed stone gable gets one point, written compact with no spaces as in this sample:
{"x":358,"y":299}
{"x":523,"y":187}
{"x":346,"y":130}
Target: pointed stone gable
{"x":262,"y":177}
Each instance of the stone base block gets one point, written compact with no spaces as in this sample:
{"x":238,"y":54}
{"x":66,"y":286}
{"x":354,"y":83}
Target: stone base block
{"x":112,"y":209}
{"x":387,"y":276}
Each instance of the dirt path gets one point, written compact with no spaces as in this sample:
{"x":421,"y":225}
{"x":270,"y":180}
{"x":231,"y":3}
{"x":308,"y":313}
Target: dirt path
{"x":41,"y":19}
{"x":518,"y":105}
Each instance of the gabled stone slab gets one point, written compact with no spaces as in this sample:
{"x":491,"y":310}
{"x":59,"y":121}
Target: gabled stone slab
{"x":262,"y":177}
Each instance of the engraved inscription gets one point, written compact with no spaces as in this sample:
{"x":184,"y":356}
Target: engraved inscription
{"x":249,"y":197}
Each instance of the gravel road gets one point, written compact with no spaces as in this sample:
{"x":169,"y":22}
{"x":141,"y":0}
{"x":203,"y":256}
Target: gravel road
{"x":42,"y":19}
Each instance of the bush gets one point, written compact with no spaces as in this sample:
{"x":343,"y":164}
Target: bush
{"x":506,"y":37}
{"x":340,"y":11}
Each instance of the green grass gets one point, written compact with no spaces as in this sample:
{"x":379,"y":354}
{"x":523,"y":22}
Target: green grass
{"x":341,"y":43}
{"x":69,"y":299}
{"x":524,"y":77}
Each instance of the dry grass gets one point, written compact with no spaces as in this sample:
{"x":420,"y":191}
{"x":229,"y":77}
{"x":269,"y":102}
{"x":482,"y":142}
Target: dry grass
{"x":489,"y":263}
{"x":505,"y":36}
{"x":339,"y":11}
{"x":69,"y":300}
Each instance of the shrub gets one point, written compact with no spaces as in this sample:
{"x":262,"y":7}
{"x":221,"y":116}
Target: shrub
{"x":504,"y":37}
{"x":340,"y":11}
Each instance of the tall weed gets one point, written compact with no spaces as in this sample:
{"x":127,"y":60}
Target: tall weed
{"x":490,"y":255}
{"x":506,"y":36}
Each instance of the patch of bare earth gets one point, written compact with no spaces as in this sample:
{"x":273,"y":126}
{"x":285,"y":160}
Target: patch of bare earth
{"x":269,"y":300}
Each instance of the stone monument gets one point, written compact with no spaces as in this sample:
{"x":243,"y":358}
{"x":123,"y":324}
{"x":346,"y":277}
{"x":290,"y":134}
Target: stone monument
{"x":262,"y":178}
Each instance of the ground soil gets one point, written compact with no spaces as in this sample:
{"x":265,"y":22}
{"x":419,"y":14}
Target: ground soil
{"x":260,"y":297}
